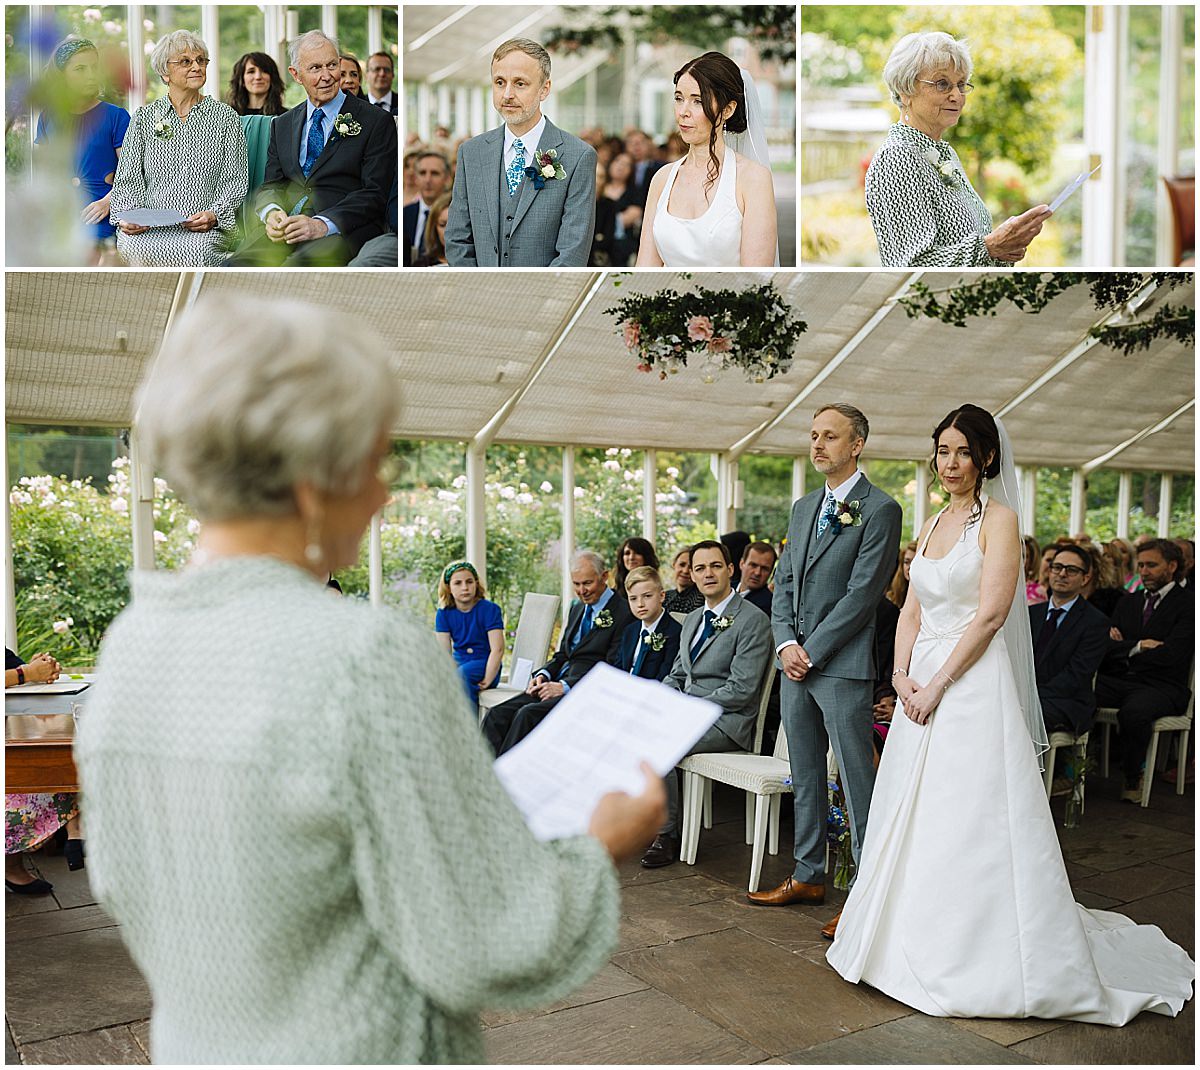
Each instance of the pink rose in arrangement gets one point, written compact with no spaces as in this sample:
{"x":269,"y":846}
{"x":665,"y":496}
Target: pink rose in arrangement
{"x":720,"y":345}
{"x":700,"y":328}
{"x":633,"y":334}
{"x":643,"y":367}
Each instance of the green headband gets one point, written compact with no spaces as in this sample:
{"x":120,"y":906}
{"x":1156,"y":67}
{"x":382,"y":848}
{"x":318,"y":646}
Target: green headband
{"x":68,"y":48}
{"x":455,"y":567}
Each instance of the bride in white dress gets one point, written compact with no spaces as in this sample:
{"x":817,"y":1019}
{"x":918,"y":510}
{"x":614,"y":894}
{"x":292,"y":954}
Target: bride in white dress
{"x":715,"y":207}
{"x":962,"y":906}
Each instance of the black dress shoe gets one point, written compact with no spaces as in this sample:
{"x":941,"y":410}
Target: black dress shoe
{"x":37,"y":886}
{"x":74,"y":854}
{"x":662,"y":852}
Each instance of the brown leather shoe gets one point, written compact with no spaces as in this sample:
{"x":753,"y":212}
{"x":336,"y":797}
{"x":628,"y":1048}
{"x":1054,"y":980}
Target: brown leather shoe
{"x":789,"y":892}
{"x":830,"y":931}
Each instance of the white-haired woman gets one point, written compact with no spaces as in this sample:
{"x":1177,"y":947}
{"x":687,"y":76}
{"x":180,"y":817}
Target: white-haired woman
{"x":922,"y":205}
{"x":307,"y":850}
{"x":186,"y":153}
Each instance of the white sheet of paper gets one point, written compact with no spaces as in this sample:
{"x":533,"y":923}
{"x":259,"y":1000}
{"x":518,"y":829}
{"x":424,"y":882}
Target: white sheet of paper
{"x":61,"y":686}
{"x":153,"y":217}
{"x":1072,"y":186}
{"x":593,"y":742}
{"x":521,"y":672}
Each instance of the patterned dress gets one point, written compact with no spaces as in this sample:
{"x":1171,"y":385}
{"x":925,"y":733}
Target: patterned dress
{"x":317,"y":864}
{"x":200,"y":167}
{"x":921,"y":218}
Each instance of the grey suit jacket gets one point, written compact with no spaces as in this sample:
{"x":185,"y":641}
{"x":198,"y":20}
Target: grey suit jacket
{"x":728,"y":669}
{"x":550,"y":227}
{"x":826,"y":592}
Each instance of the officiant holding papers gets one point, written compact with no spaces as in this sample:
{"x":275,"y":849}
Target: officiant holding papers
{"x":334,"y":825}
{"x":922,"y":205}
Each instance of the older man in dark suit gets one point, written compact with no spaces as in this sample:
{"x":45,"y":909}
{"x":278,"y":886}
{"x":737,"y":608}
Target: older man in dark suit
{"x":1145,"y":675}
{"x":330,"y":164}
{"x":594,"y":627}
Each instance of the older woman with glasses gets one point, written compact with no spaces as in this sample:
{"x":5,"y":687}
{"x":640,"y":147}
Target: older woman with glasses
{"x":184,"y":153}
{"x":922,"y":205}
{"x":307,"y":850}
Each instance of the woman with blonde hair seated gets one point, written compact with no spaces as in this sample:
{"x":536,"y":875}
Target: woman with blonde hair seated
{"x":311,"y":858}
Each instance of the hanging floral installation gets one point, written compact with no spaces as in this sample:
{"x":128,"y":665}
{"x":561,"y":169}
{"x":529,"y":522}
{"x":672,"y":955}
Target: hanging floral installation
{"x":752,"y":330}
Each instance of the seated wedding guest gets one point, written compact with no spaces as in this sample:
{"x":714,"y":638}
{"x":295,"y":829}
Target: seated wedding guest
{"x":32,"y":818}
{"x":887,"y":616}
{"x":1103,"y":588}
{"x":1070,"y":638}
{"x":256,"y":86}
{"x":381,"y":73}
{"x":330,"y":165}
{"x":1034,"y":591}
{"x":435,"y":234}
{"x":1145,"y":673}
{"x":186,"y":153}
{"x":351,"y":76}
{"x":649,"y":644}
{"x":432,"y":173}
{"x":618,"y":214}
{"x":382,"y":250}
{"x":1044,"y":569}
{"x":469,"y":627}
{"x":634,"y":553}
{"x":594,"y":626}
{"x":723,"y":653}
{"x":1124,"y":552}
{"x":758,"y":562}
{"x":97,"y":130}
{"x":645,"y":164}
{"x":410,"y":174}
{"x":686,"y":596}
{"x":1188,"y":549}
{"x":279,"y":441}
{"x":897,"y":590}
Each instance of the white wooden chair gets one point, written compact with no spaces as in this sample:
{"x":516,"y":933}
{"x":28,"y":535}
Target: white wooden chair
{"x":1107,"y":717}
{"x":532,"y":641}
{"x":763,"y":778}
{"x":1059,"y":741}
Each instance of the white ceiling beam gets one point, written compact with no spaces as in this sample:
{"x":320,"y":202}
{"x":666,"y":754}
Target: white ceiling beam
{"x":485,"y":51}
{"x":1145,"y":432}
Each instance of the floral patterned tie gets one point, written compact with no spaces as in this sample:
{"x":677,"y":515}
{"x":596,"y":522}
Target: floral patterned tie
{"x":516,"y":169}
{"x":826,"y":512}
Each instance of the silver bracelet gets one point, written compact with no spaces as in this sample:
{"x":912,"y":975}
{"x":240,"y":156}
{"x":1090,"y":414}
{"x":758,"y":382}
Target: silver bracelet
{"x":897,"y":672}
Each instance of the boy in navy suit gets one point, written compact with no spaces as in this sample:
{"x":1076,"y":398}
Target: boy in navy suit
{"x":648,"y":644}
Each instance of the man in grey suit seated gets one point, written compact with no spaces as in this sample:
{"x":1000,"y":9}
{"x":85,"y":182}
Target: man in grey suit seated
{"x":524,"y":193}
{"x":723,"y":653}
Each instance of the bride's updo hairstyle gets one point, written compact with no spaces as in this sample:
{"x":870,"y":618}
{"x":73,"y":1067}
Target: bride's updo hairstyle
{"x":720,"y":82}
{"x":978,"y":427}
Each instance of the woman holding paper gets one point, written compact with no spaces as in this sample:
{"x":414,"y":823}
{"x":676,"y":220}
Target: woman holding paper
{"x":185,"y":156}
{"x":922,"y":205}
{"x":308,"y":852}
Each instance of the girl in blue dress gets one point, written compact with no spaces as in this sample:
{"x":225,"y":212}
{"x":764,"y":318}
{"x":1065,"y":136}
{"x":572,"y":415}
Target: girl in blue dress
{"x":97,"y":129}
{"x":470,"y":627}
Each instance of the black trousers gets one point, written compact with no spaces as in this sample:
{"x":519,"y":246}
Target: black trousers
{"x":1139,"y":703}
{"x":510,"y":722}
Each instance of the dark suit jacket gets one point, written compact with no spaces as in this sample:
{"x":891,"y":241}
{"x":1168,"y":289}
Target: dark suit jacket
{"x":571,"y":663}
{"x":411,"y":213}
{"x":1067,"y":666}
{"x":887,"y":616}
{"x":642,"y":189}
{"x":657,"y":663}
{"x":351,"y":181}
{"x":391,"y":109}
{"x":1173,"y":623}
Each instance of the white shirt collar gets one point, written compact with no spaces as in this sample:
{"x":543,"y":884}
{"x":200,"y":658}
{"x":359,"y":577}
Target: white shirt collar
{"x":842,"y":489}
{"x":652,"y":626}
{"x":1066,"y":607}
{"x":373,"y":100}
{"x":719,"y":610}
{"x":1163,"y":591}
{"x":529,"y":139}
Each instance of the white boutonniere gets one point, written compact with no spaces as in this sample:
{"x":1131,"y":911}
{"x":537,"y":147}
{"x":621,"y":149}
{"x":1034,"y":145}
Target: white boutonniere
{"x":721,"y":623}
{"x":604,"y":619}
{"x":945,"y":168}
{"x":163,"y":129}
{"x":656,"y":640}
{"x":345,"y":126}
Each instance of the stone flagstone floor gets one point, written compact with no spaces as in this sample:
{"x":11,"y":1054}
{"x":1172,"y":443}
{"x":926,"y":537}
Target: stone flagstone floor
{"x":699,"y":976}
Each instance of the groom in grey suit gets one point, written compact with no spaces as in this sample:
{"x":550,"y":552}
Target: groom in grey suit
{"x":723,"y":653}
{"x":841,"y":550}
{"x":524,"y":193}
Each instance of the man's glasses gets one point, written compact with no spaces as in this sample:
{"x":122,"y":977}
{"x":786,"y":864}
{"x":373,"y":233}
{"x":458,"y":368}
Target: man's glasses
{"x":944,"y":87}
{"x":1066,"y":570}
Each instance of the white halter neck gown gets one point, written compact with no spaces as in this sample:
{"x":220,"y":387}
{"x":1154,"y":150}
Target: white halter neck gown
{"x":713,"y":239}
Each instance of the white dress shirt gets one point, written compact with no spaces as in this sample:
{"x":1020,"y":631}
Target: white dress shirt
{"x":375,"y":101}
{"x":529,"y":140}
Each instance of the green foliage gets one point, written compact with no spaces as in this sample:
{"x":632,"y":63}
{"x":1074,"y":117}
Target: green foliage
{"x":856,"y":27}
{"x":1022,"y":66}
{"x":771,"y":28}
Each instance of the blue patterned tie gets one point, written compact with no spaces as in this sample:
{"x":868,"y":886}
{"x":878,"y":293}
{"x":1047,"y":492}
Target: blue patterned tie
{"x":643,"y":636}
{"x":316,"y":142}
{"x":705,"y":632}
{"x":826,"y":509}
{"x":516,"y":169}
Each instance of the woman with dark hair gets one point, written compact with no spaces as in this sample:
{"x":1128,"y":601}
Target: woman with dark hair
{"x":618,"y":213}
{"x":897,"y":590}
{"x":634,"y":553}
{"x":715,"y":207}
{"x":961,"y":906}
{"x":256,"y":86}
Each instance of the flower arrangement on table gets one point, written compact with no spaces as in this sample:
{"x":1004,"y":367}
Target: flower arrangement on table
{"x":753,"y":330}
{"x":838,"y":834}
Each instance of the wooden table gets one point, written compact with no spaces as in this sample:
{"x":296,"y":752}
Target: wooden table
{"x":38,"y":733}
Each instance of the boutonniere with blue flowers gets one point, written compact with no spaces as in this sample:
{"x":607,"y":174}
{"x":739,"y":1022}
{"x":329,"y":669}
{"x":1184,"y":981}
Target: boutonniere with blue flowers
{"x":721,"y":623}
{"x":604,"y":619}
{"x":844,"y":515}
{"x":546,"y":167}
{"x":945,"y":168}
{"x":346,"y":126}
{"x":656,"y":640}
